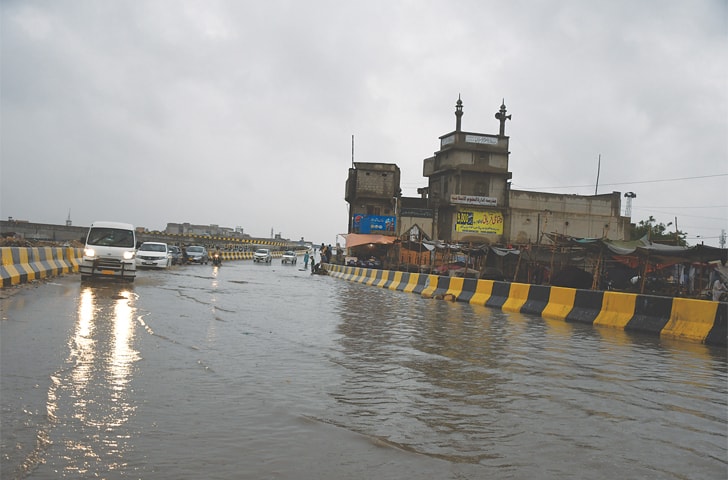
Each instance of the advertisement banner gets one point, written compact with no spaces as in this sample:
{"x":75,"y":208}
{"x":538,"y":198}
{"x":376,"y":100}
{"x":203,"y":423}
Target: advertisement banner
{"x":474,"y":200}
{"x":478,"y":221}
{"x":417,"y":212}
{"x":373,"y":223}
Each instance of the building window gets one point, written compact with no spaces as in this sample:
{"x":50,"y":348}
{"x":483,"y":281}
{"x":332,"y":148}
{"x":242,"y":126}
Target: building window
{"x":481,"y":188}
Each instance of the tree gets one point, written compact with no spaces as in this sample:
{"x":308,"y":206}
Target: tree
{"x":658,"y":233}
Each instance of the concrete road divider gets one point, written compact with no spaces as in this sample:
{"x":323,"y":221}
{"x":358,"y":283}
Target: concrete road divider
{"x":687,"y":319}
{"x":21,"y":264}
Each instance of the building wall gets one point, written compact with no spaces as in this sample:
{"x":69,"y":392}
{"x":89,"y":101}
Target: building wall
{"x":371,"y":190}
{"x":43,"y":231}
{"x":531,"y":214}
{"x":373,"y":180}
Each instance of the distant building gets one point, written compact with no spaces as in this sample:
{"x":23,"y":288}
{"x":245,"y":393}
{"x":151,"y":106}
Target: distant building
{"x":468,"y":198}
{"x":372,"y":190}
{"x":468,"y":184}
{"x":203,"y":230}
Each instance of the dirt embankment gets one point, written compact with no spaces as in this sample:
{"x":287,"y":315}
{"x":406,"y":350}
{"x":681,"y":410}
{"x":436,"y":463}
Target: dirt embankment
{"x":22,"y":242}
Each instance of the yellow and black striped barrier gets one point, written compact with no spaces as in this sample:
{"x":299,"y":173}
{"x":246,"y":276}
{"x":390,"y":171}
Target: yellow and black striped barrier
{"x":21,"y":264}
{"x":681,"y":318}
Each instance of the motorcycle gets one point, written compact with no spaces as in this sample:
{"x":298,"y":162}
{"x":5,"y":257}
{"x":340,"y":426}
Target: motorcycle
{"x":216,"y":260}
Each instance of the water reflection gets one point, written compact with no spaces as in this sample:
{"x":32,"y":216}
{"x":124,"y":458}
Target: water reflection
{"x":90,"y":401}
{"x":467,"y":383}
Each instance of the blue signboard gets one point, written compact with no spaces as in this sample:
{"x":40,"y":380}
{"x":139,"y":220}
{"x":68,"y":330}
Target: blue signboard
{"x":373,"y":224}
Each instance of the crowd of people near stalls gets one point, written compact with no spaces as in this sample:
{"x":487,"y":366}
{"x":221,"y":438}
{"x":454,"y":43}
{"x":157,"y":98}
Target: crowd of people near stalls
{"x":325,"y":256}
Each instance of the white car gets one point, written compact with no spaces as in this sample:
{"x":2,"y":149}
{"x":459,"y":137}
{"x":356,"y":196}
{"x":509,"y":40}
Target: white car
{"x":289,"y":256}
{"x":262,"y":255}
{"x":153,"y":255}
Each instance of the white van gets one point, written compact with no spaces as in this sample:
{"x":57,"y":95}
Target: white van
{"x":109,"y":252}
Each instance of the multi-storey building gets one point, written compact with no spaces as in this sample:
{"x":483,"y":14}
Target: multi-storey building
{"x":372,"y":191}
{"x":468,"y":198}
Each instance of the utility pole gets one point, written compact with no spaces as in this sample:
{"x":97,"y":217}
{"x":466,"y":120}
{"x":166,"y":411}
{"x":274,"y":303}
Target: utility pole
{"x":677,"y":236}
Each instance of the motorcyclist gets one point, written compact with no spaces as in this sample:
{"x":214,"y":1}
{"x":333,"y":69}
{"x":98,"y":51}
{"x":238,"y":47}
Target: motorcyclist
{"x":217,"y":257}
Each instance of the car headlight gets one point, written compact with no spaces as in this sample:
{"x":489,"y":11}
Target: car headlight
{"x":89,"y":252}
{"x":128,"y":255}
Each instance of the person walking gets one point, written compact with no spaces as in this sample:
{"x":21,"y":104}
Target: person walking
{"x":718,"y":289}
{"x":305,"y":259}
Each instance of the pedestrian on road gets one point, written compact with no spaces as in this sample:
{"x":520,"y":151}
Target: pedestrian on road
{"x":305,"y":260}
{"x":718,"y":289}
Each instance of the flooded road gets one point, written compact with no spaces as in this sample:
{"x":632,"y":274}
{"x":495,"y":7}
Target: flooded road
{"x":266,"y":372}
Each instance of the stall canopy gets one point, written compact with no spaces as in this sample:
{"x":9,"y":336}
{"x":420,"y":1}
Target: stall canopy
{"x":667,"y":254}
{"x":357,"y":239}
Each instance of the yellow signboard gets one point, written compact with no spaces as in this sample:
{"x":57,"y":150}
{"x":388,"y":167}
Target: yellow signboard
{"x":479,"y":221}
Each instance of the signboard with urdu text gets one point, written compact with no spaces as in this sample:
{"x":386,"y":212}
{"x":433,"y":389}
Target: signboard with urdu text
{"x":479,"y":221}
{"x":373,"y":223}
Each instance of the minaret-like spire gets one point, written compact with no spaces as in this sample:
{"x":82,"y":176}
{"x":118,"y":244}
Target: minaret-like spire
{"x":458,"y":113}
{"x":502,"y":117}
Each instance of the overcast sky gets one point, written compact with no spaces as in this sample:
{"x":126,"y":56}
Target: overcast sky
{"x":241,"y":113}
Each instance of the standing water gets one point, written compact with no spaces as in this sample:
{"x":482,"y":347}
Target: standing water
{"x":265,"y":371}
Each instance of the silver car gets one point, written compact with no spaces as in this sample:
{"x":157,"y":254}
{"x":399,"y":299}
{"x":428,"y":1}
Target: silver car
{"x":196,"y":254}
{"x":262,"y":255}
{"x":290,"y":257}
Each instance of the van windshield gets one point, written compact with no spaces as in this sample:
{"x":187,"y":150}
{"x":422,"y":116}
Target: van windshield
{"x":110,"y":237}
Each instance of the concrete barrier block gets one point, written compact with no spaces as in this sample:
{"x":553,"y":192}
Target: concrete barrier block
{"x":719,"y":333}
{"x":483,"y":292}
{"x":537,"y":300}
{"x":499,"y":295}
{"x":651,"y":314}
{"x":517,"y":296}
{"x":589,"y":305}
{"x":560,"y":303}
{"x":690,"y":319}
{"x":394,"y":281}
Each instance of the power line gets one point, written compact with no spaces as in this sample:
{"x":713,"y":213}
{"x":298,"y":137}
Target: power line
{"x":634,"y":183}
{"x":682,"y":206}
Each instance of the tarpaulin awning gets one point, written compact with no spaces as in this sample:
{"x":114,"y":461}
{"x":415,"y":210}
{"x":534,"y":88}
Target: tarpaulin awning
{"x":643,"y":247}
{"x":357,"y":239}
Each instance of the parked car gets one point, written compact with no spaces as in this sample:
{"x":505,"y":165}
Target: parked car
{"x":176,"y":254}
{"x":290,"y":257}
{"x":197,"y":254}
{"x":262,"y":255}
{"x":153,"y":255}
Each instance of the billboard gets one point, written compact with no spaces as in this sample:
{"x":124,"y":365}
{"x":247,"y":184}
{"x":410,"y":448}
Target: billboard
{"x":479,"y":221}
{"x":373,"y":223}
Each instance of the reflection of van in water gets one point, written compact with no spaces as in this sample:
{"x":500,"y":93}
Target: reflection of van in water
{"x":109,"y":252}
